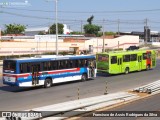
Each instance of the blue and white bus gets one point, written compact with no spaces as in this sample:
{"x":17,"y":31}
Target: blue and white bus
{"x":47,"y":70}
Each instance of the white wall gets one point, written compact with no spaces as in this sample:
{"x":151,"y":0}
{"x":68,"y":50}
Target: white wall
{"x":124,"y":42}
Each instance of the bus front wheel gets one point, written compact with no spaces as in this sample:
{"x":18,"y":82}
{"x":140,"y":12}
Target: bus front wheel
{"x":48,"y":83}
{"x":127,"y":70}
{"x":84,"y":77}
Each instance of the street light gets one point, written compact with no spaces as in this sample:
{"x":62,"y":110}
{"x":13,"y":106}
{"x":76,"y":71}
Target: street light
{"x":56,"y":20}
{"x":56,"y":27}
{"x":103,"y":38}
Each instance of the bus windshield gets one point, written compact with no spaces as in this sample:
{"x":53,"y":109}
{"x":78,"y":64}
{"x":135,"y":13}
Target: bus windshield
{"x":103,"y":58}
{"x":102,"y":62}
{"x":9,"y":66}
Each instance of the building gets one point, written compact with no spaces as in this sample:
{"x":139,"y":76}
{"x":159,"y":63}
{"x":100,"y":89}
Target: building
{"x":44,"y":30}
{"x":47,"y":43}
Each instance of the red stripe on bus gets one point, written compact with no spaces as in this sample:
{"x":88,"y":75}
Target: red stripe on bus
{"x":62,"y":71}
{"x":19,"y":75}
{"x":49,"y":72}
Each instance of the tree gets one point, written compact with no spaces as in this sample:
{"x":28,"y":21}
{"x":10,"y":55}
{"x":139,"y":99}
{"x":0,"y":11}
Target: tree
{"x":2,"y":32}
{"x":41,"y":33}
{"x":14,"y":29}
{"x":53,"y":28}
{"x":91,"y":28}
{"x":76,"y":33}
{"x":89,"y":20}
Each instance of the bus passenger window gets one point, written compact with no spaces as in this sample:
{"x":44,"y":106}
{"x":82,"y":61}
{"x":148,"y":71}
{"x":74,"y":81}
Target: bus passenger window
{"x":113,"y":59}
{"x":126,"y":58}
{"x":86,"y":63}
{"x":144,"y":56}
{"x":149,"y":55}
{"x":133,"y":57}
{"x":54,"y":65}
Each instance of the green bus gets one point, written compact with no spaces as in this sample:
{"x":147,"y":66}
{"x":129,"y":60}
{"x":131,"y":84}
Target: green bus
{"x":126,"y":61}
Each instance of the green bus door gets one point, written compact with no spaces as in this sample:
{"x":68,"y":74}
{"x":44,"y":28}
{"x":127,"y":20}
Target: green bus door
{"x":140,"y":63}
{"x":120,"y":65}
{"x":35,"y":71}
{"x":153,"y":60}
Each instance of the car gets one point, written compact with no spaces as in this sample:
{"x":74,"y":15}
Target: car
{"x":132,"y":48}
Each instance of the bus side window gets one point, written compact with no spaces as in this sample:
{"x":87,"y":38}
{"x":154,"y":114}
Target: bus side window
{"x":66,"y":65}
{"x":144,"y":56}
{"x":86,"y":63}
{"x":113,"y":59}
{"x":54,"y":65}
{"x":149,"y":55}
{"x":77,"y":63}
{"x":83,"y":63}
{"x":74,"y":63}
{"x":126,"y":58}
{"x":60,"y":65}
{"x":24,"y":68}
{"x":133,"y":57}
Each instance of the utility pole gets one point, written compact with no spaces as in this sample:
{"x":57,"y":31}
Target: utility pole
{"x":146,"y":31}
{"x":118,"y":26}
{"x":146,"y":22}
{"x":56,"y":27}
{"x":81,"y":27}
{"x":103,"y":37}
{"x":0,"y":33}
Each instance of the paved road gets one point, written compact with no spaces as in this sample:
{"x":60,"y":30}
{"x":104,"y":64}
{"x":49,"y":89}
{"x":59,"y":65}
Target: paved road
{"x":140,"y":107}
{"x":13,"y":98}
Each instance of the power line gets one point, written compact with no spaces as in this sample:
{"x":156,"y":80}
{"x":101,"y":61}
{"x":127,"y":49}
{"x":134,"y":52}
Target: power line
{"x":22,"y":15}
{"x":95,"y":12}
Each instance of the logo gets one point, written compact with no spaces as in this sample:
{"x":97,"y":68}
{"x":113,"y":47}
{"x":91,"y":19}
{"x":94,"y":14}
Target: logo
{"x":15,"y":4}
{"x":6,"y":114}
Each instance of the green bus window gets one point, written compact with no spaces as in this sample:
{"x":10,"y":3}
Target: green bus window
{"x":126,"y":58}
{"x":102,"y":58}
{"x":113,"y":59}
{"x":149,"y":55}
{"x":133,"y":57}
{"x":144,"y":56}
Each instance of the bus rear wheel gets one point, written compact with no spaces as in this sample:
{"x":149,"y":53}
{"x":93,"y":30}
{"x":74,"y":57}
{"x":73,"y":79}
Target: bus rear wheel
{"x":148,"y":67}
{"x":48,"y":83}
{"x":84,"y":77}
{"x":127,"y":70}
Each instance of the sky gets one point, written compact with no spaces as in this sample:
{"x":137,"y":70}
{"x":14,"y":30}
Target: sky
{"x":113,"y":15}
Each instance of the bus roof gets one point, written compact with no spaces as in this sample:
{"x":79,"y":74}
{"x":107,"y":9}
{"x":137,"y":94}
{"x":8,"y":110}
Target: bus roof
{"x":51,"y":57}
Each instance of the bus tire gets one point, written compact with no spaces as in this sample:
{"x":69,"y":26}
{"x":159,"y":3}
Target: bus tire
{"x":48,"y":83}
{"x":127,"y":70}
{"x":84,"y":77}
{"x":148,"y":67}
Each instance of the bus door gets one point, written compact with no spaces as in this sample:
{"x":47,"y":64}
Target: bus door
{"x":92,"y":69}
{"x":139,"y":62}
{"x":148,"y":61}
{"x":35,"y":73}
{"x":119,"y":64}
{"x":153,"y":59}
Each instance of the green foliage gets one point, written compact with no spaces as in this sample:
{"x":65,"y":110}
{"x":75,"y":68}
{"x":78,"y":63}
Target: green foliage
{"x":106,"y":34}
{"x":2,"y":33}
{"x":76,"y":33}
{"x":92,"y":29}
{"x":110,"y":33}
{"x":53,"y":28}
{"x":41,"y":33}
{"x":14,"y":29}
